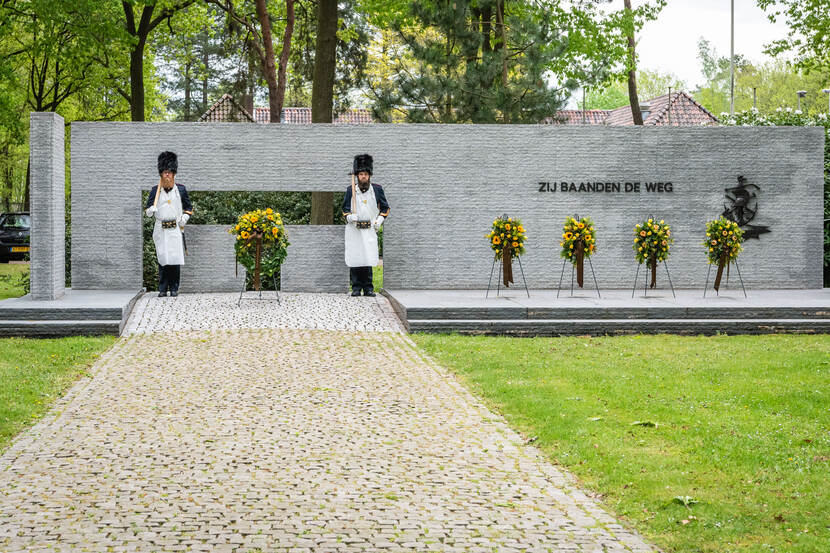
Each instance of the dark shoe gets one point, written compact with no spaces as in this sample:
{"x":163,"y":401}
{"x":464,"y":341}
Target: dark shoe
{"x":174,"y":293}
{"x":162,"y":294}
{"x":369,"y":293}
{"x":356,"y":294}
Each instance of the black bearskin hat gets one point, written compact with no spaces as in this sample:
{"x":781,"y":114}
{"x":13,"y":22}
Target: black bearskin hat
{"x":362,"y":162}
{"x":168,"y":162}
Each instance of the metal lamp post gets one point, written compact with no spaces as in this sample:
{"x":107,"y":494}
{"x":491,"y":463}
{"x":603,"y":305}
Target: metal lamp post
{"x":732,"y":59}
{"x":801,"y":94}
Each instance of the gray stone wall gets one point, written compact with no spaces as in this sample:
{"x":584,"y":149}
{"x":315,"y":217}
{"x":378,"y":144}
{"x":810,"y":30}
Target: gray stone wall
{"x":209,"y":265}
{"x":47,"y":194}
{"x":315,"y":260}
{"x":445,"y":184}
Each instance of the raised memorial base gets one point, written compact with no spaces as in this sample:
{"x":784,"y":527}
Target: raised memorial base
{"x":78,"y":312}
{"x":543,"y":314}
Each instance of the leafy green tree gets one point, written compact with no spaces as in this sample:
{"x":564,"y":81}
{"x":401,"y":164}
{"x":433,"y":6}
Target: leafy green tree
{"x":597,"y":51}
{"x":716,"y":70}
{"x":352,"y":36}
{"x":493,"y":60}
{"x":479,"y":62}
{"x":141,"y":18}
{"x":123,"y":32}
{"x":259,"y":27}
{"x":650,"y":83}
{"x":192,"y":61}
{"x":768,"y":86}
{"x":808,"y":37}
{"x":47,"y":65}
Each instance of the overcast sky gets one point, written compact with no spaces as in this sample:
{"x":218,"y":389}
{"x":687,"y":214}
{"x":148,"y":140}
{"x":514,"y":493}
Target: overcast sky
{"x":670,"y":43}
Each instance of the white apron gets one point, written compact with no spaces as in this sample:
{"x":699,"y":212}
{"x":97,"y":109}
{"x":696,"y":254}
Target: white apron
{"x":362,"y":244}
{"x":169,"y":245}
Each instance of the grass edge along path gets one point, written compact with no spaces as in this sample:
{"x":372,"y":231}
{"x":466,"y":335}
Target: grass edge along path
{"x":10,"y":274}
{"x":739,"y":459}
{"x":35,"y":372}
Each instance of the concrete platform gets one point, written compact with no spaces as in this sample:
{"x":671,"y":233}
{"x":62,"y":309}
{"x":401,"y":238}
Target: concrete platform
{"x":78,"y":312}
{"x":616,"y":312}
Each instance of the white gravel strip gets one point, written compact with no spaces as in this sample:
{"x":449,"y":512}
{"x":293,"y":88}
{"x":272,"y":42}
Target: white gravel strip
{"x":299,"y":311}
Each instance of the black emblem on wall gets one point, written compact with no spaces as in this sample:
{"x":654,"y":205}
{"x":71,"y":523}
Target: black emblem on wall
{"x":744,"y":207}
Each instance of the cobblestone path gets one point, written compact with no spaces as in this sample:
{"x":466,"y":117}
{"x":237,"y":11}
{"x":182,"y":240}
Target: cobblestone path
{"x":279,"y":440}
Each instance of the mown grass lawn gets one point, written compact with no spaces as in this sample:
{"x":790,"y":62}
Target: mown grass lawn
{"x":742,"y":428}
{"x":377,"y":277}
{"x":10,"y":286}
{"x":35,"y":372}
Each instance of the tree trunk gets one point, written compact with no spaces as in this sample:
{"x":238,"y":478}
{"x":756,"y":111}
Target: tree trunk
{"x":205,"y":62}
{"x":322,"y":89}
{"x":137,"y":81}
{"x":140,"y":31}
{"x":187,"y":91}
{"x":322,"y":95}
{"x":486,"y":17}
{"x":286,"y":50}
{"x":504,"y":53}
{"x":269,"y":67}
{"x":636,"y":114}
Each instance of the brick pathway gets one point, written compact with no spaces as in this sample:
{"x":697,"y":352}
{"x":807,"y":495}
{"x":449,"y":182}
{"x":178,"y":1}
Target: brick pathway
{"x":279,"y":440}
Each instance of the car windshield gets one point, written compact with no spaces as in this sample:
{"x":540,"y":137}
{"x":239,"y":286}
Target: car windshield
{"x":15,"y":221}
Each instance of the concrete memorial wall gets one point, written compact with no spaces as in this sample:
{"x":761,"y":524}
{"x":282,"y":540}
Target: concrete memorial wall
{"x":446,"y":183}
{"x":48,"y":201}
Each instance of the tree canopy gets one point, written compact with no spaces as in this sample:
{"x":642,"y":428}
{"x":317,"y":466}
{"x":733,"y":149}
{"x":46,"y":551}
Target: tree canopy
{"x":483,"y":61}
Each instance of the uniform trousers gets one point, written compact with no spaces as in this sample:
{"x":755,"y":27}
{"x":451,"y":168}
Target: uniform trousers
{"x":169,"y":276}
{"x":361,"y":279}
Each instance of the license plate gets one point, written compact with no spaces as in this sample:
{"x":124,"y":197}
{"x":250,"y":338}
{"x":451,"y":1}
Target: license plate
{"x":16,"y":249}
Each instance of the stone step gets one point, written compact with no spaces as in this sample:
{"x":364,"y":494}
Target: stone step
{"x":598,"y":327}
{"x":55,"y":328}
{"x":51,"y":313}
{"x":616,"y":313}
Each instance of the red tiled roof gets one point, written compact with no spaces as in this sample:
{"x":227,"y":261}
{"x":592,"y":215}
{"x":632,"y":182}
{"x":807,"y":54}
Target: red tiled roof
{"x":262,"y":115}
{"x":302,"y":116}
{"x":575,"y":117}
{"x":226,"y":110}
{"x":683,"y":111}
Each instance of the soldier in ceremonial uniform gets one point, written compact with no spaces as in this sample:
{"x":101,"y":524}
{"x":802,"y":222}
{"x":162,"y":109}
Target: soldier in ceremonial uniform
{"x":169,"y":204}
{"x":365,"y":208}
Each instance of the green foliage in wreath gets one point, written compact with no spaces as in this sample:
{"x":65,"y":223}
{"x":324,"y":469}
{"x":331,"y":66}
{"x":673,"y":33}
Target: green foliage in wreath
{"x":507,"y":230}
{"x":652,"y":240}
{"x":266,"y":225}
{"x":723,"y":235}
{"x":575,"y":231}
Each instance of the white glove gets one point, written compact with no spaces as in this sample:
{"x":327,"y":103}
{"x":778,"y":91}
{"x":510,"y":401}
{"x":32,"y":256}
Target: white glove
{"x":351,"y":218}
{"x":150,"y":211}
{"x":183,"y":221}
{"x":379,"y":221}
